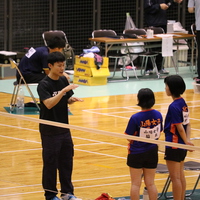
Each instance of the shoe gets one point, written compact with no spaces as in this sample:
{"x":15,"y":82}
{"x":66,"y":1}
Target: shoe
{"x":55,"y":198}
{"x":69,"y":197}
{"x":148,"y":72}
{"x":163,"y":71}
{"x":197,"y":80}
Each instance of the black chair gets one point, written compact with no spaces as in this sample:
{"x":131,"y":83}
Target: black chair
{"x":114,"y":54}
{"x":145,"y":53}
{"x":67,"y":51}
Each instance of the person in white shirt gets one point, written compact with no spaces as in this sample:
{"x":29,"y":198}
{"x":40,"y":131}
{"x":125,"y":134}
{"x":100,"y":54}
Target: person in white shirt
{"x":194,"y":7}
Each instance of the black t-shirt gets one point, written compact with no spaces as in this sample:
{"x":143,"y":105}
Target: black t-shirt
{"x":48,"y":88}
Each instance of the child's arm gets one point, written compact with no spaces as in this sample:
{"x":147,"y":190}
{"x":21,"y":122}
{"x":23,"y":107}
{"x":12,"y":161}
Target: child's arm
{"x":184,"y":135}
{"x":188,"y":131}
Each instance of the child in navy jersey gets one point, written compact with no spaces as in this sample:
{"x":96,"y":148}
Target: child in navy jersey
{"x":143,"y":156}
{"x":177,"y":130}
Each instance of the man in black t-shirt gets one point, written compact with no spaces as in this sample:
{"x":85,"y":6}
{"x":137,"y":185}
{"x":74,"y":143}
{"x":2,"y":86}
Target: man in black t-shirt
{"x":55,"y":94}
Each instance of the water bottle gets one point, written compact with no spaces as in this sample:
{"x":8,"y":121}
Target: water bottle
{"x":145,"y":194}
{"x":20,"y":102}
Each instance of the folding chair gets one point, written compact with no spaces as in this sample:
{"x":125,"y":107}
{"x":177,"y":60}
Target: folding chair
{"x":145,"y":54}
{"x":67,"y":51}
{"x":17,"y":86}
{"x":116,"y":55}
{"x":193,"y":29}
{"x":191,"y":165}
{"x":162,"y":169}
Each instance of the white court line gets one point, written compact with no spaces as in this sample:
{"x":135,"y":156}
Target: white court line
{"x":102,"y":154}
{"x":21,"y":150}
{"x":8,"y":137}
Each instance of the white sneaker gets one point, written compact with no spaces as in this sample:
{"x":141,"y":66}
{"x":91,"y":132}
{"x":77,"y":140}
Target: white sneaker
{"x":148,"y":72}
{"x":69,"y":197}
{"x":163,"y":71}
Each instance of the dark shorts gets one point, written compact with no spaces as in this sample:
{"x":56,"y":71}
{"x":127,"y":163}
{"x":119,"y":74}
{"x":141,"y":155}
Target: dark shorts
{"x":176,"y":155}
{"x":147,"y":159}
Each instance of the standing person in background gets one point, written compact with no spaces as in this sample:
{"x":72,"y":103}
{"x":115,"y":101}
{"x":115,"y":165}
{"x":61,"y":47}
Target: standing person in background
{"x":156,"y":15}
{"x":55,"y":94}
{"x":34,"y":66}
{"x":194,"y":6}
{"x":142,"y":157}
{"x":177,"y":129}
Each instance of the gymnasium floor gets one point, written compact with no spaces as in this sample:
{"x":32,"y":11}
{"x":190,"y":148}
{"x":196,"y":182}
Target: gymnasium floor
{"x":111,"y":89}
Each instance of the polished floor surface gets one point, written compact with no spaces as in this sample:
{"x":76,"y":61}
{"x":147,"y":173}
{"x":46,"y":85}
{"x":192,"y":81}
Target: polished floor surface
{"x":100,"y":161}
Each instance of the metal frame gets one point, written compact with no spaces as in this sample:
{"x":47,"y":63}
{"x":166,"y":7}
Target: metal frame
{"x":17,"y":86}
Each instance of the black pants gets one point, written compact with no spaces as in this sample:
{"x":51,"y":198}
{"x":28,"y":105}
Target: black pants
{"x":58,"y":155}
{"x":159,"y":58}
{"x":32,"y":78}
{"x":198,"y":47}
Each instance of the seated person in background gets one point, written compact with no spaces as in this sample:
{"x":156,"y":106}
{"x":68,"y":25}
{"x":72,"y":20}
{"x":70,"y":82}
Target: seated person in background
{"x":34,"y":66}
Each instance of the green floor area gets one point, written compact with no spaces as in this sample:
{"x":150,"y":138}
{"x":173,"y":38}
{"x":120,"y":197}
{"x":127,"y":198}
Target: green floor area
{"x":115,"y":88}
{"x":27,"y":111}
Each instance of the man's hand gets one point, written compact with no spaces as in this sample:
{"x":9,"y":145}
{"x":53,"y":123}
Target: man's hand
{"x":178,"y":1}
{"x":74,"y":99}
{"x":70,"y":87}
{"x":164,"y":6}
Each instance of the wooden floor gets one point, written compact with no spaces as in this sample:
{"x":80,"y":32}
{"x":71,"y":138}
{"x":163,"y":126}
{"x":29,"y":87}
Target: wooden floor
{"x":99,"y":162}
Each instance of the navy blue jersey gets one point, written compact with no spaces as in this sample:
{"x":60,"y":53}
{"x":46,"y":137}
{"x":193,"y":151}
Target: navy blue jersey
{"x":146,"y":124}
{"x":34,"y":61}
{"x":177,"y":114}
{"x":48,"y":88}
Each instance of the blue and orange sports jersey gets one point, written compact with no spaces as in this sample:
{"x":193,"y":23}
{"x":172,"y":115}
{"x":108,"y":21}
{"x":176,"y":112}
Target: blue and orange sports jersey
{"x":146,"y":124}
{"x":177,"y":113}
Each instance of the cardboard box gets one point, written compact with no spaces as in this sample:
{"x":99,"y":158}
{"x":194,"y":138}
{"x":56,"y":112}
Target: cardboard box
{"x":90,"y":81}
{"x":80,"y":70}
{"x":89,"y":62}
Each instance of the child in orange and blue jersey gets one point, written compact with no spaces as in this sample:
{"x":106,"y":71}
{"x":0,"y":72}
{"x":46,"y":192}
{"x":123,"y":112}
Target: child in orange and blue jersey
{"x":143,"y":156}
{"x":177,"y":130}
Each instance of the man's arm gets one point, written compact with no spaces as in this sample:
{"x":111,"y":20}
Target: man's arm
{"x":151,"y":7}
{"x":52,"y":101}
{"x":191,"y":9}
{"x":191,"y":6}
{"x":67,"y":76}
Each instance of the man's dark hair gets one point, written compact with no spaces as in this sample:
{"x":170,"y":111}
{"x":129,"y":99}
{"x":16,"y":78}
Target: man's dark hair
{"x":56,"y":42}
{"x":176,"y":85}
{"x":55,"y":57}
{"x":146,"y":98}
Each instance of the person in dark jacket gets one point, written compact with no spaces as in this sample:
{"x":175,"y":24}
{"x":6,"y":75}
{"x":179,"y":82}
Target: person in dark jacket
{"x":156,"y":15}
{"x":34,"y":66}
